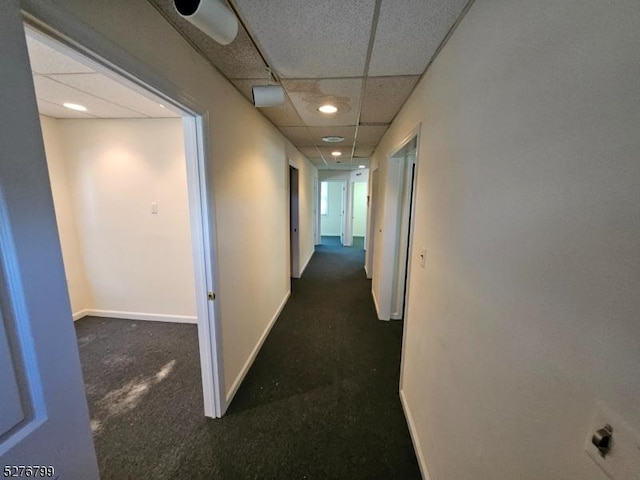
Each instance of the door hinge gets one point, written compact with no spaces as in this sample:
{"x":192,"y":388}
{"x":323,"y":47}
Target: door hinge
{"x":211,"y":296}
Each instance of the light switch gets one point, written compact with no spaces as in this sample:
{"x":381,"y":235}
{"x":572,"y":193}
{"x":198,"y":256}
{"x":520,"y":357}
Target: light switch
{"x":154,"y":208}
{"x":621,"y":458}
{"x":423,"y":256}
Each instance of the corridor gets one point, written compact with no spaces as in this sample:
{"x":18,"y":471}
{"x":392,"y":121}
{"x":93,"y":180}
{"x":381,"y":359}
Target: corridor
{"x":320,"y":401}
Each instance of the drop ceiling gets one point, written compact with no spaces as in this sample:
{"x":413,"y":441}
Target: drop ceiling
{"x":363,"y":56}
{"x":62,"y":75}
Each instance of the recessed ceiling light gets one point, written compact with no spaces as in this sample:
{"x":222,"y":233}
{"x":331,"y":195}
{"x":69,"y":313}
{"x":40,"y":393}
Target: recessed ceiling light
{"x":162,"y":106}
{"x":361,"y":166}
{"x":333,"y":139}
{"x":75,"y":106}
{"x":328,"y":109}
{"x":336,"y":153}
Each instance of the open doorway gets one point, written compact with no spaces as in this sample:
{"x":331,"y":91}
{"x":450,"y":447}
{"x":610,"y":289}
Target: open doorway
{"x":391,"y":232}
{"x":294,"y":221}
{"x":372,"y":204}
{"x":332,"y":211}
{"x":127,"y":172}
{"x":359,"y":209}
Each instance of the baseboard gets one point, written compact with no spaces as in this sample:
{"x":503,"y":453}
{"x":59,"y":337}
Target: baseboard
{"x":80,"y":314}
{"x":414,"y":437}
{"x":366,"y":271}
{"x":153,"y":317}
{"x":254,"y":353}
{"x":304,"y":267}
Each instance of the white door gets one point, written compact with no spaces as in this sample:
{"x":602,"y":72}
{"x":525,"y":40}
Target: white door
{"x":44,"y":420}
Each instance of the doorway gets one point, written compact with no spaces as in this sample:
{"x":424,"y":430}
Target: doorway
{"x":393,"y":232}
{"x":372,"y":202}
{"x":197,"y":220}
{"x":359,"y":214}
{"x":294,"y":221}
{"x":332,"y":211}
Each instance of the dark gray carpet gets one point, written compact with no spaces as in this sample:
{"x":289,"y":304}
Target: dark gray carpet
{"x":321,"y":400}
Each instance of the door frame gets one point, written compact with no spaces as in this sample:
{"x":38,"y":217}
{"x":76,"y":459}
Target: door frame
{"x":372,"y":211}
{"x":343,"y":206}
{"x":390,"y":228}
{"x":52,"y":22}
{"x":293,"y":174}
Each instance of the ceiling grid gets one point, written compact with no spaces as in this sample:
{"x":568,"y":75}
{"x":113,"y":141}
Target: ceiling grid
{"x":365,"y":57}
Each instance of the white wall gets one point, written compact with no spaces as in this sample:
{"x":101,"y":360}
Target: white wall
{"x":137,"y":264}
{"x":80,"y":292}
{"x":359,"y":209}
{"x":247,"y":164}
{"x":527,"y":203}
{"x":331,"y":223}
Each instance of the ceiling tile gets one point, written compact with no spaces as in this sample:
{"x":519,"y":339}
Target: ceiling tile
{"x":299,"y":136}
{"x":283,"y":116}
{"x":46,"y":60}
{"x":310,"y":38}
{"x":239,"y":59}
{"x":409,"y":33}
{"x":308,"y":95}
{"x":58,"y":93}
{"x":114,"y":92}
{"x":310,"y":152}
{"x":383,"y":97}
{"x":364,"y":151}
{"x":58,"y":111}
{"x":370,"y":135}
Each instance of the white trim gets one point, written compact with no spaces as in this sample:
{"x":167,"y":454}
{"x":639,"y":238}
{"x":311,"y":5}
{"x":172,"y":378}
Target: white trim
{"x":151,"y":317}
{"x":375,"y":303}
{"x":417,"y":131}
{"x":254,"y":353}
{"x":304,"y":266}
{"x":80,"y":314}
{"x":422,"y":463}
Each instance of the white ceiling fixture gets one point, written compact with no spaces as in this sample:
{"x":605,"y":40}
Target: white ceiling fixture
{"x":336,"y":153}
{"x":333,"y":139}
{"x":75,"y":106}
{"x":328,"y":109}
{"x":361,"y":166}
{"x":213,"y":17}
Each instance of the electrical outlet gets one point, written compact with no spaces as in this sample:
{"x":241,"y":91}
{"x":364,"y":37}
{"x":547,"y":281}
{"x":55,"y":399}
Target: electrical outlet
{"x":154,"y":208}
{"x":622,"y":459}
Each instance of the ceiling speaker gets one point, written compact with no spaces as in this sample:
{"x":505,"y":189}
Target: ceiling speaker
{"x":213,"y":17}
{"x":268,"y":95}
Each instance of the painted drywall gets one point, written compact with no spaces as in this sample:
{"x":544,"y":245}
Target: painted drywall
{"x":526,"y":313}
{"x":136,"y":262}
{"x":360,"y":191}
{"x":247,"y":164}
{"x":35,"y":303}
{"x":80,"y":292}
{"x":331,"y":222}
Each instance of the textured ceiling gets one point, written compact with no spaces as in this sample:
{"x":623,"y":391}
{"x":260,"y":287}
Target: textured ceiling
{"x":319,"y":51}
{"x":61,"y":75}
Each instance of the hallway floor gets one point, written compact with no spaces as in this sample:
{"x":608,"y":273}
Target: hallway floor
{"x":321,"y":400}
